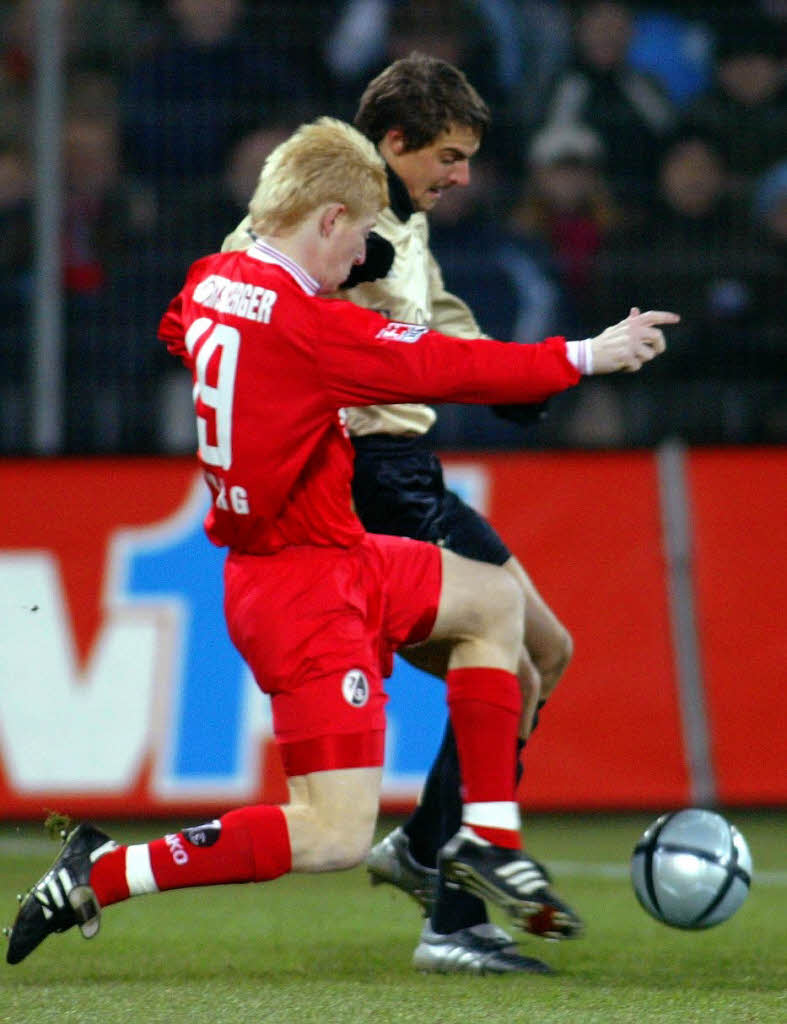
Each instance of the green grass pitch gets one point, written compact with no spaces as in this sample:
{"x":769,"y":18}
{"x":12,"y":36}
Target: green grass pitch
{"x":331,"y":949}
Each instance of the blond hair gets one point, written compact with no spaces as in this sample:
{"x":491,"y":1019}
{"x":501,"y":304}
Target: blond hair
{"x":325,"y":161}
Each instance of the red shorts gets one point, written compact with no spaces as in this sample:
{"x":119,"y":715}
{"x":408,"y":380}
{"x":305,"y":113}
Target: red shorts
{"x":318,"y":627}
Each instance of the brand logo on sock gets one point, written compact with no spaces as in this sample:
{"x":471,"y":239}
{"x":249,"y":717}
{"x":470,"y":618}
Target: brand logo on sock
{"x":203,"y":835}
{"x":355,"y":688}
{"x":179,"y":855}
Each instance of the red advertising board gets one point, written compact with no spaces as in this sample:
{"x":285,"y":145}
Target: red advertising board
{"x":120,"y":694}
{"x":740,"y":506}
{"x":587,"y":529}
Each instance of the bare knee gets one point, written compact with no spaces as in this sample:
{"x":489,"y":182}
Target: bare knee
{"x":481,"y":613}
{"x":549,"y":644}
{"x":338,"y":846}
{"x":331,"y":818}
{"x":502,"y":612}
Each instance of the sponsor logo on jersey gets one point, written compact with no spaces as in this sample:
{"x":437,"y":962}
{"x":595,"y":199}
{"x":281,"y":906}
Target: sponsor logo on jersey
{"x":395,"y":331}
{"x":355,"y":688}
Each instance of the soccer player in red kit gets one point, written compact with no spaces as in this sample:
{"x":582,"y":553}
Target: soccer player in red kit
{"x":315,"y":605}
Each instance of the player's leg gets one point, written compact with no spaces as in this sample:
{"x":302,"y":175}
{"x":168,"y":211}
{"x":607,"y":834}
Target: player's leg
{"x":456,"y":936}
{"x":418,"y":503}
{"x":327,"y":825}
{"x":481,"y":611}
{"x":478,"y":610}
{"x":315,"y":675}
{"x":548,"y":643}
{"x":544,"y":656}
{"x":331,"y":817}
{"x":398,"y":490}
{"x":448,"y":521}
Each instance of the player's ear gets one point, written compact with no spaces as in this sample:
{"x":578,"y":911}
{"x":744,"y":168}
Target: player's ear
{"x":396,"y":141}
{"x":329,"y":216}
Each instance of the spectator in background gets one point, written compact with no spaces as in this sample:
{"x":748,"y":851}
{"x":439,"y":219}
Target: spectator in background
{"x":776,"y":11}
{"x":97,"y":35}
{"x":207,"y":80}
{"x":102,"y":34}
{"x":746,"y":109}
{"x":567,"y":208}
{"x":16,"y":192}
{"x":507,"y":281}
{"x":769,"y":210}
{"x":703,"y":254}
{"x":630,"y":110}
{"x":109,"y":304}
{"x":675,"y":47}
{"x":367,"y":35}
{"x":770,"y":204}
{"x":541,"y":33}
{"x":16,"y":266}
{"x":197,"y":211}
{"x":212,"y":74}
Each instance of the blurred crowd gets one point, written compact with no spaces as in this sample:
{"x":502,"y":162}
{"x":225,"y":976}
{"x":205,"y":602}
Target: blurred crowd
{"x":638,"y":156}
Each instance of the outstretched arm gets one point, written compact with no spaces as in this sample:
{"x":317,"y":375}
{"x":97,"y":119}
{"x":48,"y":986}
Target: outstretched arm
{"x":367,"y":359}
{"x":630,"y":344}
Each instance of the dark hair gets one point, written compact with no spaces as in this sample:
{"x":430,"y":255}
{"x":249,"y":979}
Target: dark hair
{"x":421,"y":96}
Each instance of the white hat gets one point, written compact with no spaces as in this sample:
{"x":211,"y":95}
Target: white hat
{"x":559,"y":142}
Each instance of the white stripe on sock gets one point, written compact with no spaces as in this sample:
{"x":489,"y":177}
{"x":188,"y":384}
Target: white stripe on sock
{"x":99,"y":851}
{"x":495,"y":814}
{"x":139,"y":874}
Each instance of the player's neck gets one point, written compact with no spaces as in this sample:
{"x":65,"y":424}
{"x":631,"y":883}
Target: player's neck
{"x":301,"y":245}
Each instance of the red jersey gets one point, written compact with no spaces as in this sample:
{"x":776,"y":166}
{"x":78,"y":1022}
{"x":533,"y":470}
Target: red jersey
{"x":273,"y":367}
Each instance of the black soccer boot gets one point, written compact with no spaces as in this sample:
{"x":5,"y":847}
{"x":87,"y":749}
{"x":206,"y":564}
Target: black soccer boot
{"x":62,"y":897}
{"x":391,"y":861}
{"x":482,"y":949}
{"x":510,"y":879}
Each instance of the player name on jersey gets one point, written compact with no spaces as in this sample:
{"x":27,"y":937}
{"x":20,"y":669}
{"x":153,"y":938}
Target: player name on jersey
{"x":236,"y":298}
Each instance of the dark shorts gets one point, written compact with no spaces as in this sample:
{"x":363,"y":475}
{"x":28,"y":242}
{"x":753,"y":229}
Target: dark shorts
{"x":398,"y":489}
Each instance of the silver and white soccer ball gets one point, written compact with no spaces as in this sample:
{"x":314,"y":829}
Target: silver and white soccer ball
{"x":691,"y":869}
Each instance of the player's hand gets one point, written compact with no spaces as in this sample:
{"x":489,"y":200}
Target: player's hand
{"x":631,"y":343}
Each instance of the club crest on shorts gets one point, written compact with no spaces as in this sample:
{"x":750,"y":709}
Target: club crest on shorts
{"x":355,"y":688}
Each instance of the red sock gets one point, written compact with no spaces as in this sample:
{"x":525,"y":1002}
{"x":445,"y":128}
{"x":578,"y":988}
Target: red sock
{"x":251,"y":844}
{"x":485,"y":706}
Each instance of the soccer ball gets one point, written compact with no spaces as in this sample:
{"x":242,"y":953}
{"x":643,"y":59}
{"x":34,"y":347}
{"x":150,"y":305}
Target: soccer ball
{"x":691,"y":869}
